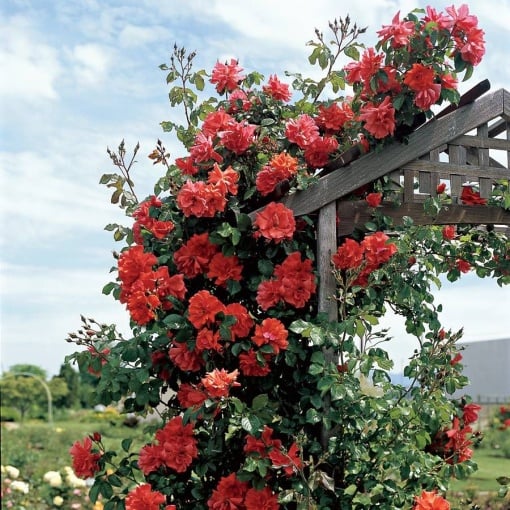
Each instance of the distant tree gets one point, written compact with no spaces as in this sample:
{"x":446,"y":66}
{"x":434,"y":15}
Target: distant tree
{"x":73,"y":382}
{"x":59,"y":390}
{"x":30,"y":369}
{"x":20,"y":392}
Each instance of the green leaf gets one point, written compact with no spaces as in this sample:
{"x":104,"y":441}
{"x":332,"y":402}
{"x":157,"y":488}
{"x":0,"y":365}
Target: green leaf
{"x":251,"y":424}
{"x":314,"y":369}
{"x":94,"y":491}
{"x":318,"y":358}
{"x":301,"y":327}
{"x":352,"y":52}
{"x":259,"y":402}
{"x":265,"y":267}
{"x":109,"y":287}
{"x":126,"y":444}
{"x":312,"y":416}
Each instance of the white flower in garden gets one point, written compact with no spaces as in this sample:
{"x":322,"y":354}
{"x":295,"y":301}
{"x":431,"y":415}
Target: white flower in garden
{"x":72,"y":479}
{"x":12,"y":472}
{"x":53,"y":478}
{"x":20,"y":486}
{"x":58,"y":500}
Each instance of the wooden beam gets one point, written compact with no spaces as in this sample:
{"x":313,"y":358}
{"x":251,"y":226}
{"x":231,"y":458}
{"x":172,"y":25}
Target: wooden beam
{"x":376,"y":164}
{"x":354,"y":214}
{"x":445,"y":169}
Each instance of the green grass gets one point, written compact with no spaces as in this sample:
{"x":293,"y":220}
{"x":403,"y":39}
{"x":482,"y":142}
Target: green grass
{"x":491,"y":465}
{"x":37,"y":447}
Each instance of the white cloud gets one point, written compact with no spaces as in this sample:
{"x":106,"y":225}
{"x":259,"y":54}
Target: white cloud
{"x":30,"y":67}
{"x":43,"y":304}
{"x":90,"y":63}
{"x":134,"y":36}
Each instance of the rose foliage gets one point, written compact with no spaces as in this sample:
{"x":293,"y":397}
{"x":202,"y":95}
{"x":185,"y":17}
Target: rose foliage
{"x":266,"y":401}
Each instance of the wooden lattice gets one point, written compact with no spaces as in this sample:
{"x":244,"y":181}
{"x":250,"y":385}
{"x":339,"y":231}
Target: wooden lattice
{"x":470,"y":144}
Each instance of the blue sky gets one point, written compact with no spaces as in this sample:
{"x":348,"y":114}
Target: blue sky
{"x":80,"y":75}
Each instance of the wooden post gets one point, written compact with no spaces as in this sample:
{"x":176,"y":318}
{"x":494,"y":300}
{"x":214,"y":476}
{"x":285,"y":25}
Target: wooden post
{"x":326,"y":247}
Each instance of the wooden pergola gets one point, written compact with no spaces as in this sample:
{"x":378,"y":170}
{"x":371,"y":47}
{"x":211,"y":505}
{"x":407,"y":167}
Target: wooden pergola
{"x":469,"y":144}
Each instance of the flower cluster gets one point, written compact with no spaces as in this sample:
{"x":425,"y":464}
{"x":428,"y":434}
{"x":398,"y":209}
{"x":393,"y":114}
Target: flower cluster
{"x":413,"y":66}
{"x":175,"y":449}
{"x":85,"y":458}
{"x":253,"y":383}
{"x":364,"y":257}
{"x":454,"y":443}
{"x":56,"y":489}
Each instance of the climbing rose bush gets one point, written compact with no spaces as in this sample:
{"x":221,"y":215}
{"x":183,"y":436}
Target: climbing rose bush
{"x":265,"y":400}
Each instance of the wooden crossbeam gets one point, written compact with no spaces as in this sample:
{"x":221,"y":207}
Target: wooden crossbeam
{"x":354,"y":214}
{"x":374,"y":165}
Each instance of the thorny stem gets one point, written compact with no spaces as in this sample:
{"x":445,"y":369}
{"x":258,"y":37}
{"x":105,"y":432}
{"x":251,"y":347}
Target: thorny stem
{"x":120,"y":162}
{"x":184,"y":72}
{"x":344,"y":36}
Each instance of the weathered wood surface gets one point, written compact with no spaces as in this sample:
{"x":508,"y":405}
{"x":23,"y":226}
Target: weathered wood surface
{"x":354,"y":214}
{"x":326,"y":247}
{"x":437,"y":133}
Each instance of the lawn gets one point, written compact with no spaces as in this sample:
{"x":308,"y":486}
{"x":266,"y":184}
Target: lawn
{"x":491,"y":465}
{"x":36,"y":448}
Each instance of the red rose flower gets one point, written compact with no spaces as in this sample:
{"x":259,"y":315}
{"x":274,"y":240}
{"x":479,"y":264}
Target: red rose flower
{"x":144,"y":498}
{"x":229,"y":494}
{"x":276,"y":89}
{"x":302,"y":130}
{"x":238,"y":136}
{"x":457,"y":449}
{"x":186,"y":166}
{"x":208,"y":340}
{"x":222,"y":269}
{"x":379,"y":118}
{"x":349,"y":255}
{"x":290,"y":461}
{"x":175,"y":447}
{"x":262,"y":445}
{"x":202,"y":151}
{"x":226,"y":76}
{"x":271,"y":332}
{"x":200,"y":199}
{"x":332,"y":118}
{"x":203,"y":308}
{"x":463,"y":265}
{"x":470,"y":413}
{"x":253,"y":364}
{"x":448,"y":232}
{"x":374,"y":199}
{"x":275,"y":223}
{"x":182,"y":357}
{"x":263,"y":499}
{"x":217,"y":383}
{"x":194,"y":257}
{"x":441,"y":188}
{"x":244,"y":322}
{"x":132,"y":263}
{"x":85,"y":461}
{"x":216,"y":121}
{"x":469,"y":196}
{"x":268,"y":294}
{"x":189,"y":396}
{"x":318,"y":151}
{"x":430,"y":501}
{"x":224,"y":180}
